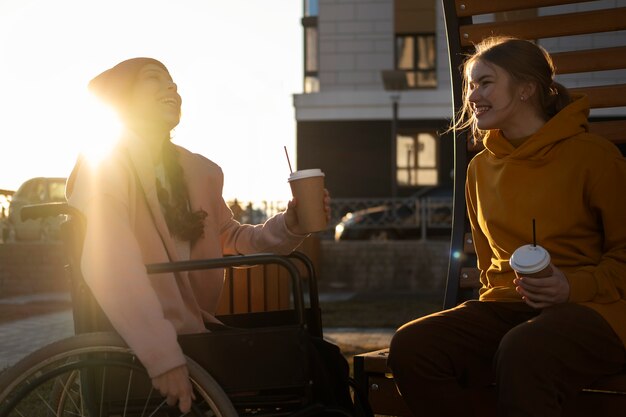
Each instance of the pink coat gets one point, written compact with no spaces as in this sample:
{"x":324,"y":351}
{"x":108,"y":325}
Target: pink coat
{"x":126,"y":230}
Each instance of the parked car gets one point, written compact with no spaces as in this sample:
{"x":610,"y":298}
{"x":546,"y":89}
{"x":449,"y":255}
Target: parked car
{"x":399,"y":219}
{"x":35,"y":191}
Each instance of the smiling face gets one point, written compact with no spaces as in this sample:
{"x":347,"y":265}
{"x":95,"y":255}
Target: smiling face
{"x":497,"y":102}
{"x":154,"y":99}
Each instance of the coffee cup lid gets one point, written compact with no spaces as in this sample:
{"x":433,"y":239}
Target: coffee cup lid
{"x":529,"y":259}
{"x":305,"y":173}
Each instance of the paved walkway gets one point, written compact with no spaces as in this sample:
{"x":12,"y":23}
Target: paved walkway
{"x":21,"y":337}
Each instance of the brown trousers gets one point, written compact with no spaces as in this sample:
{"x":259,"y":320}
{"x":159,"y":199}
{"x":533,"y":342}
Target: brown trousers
{"x":537,"y":358}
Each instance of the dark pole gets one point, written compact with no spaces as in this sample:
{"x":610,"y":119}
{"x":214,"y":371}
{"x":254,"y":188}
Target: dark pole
{"x":394,"y":81}
{"x":394,"y":142}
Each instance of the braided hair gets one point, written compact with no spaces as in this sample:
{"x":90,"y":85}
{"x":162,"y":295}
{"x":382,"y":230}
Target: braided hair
{"x":181,"y":221}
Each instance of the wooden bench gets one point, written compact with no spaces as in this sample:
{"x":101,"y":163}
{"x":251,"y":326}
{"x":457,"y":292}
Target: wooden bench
{"x":467,"y":23}
{"x":268,"y":289}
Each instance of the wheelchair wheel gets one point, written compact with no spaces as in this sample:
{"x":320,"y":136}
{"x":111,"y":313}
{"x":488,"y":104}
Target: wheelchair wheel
{"x":97,"y":375}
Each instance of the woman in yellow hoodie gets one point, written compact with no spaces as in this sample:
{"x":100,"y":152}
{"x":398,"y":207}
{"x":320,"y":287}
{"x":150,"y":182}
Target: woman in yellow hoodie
{"x":540,"y":339}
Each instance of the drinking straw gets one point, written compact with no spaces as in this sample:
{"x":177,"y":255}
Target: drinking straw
{"x":534,"y":235}
{"x":287,"y":155}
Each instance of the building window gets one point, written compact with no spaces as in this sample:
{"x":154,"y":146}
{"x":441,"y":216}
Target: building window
{"x":311,"y":52}
{"x":417,"y":159}
{"x":416,"y":54}
{"x":311,"y":7}
{"x":311,"y":80}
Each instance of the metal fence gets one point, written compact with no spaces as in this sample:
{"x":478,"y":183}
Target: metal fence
{"x":413,"y":217}
{"x":393,"y":217}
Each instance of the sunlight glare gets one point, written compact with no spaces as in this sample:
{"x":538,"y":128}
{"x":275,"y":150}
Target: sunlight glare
{"x":100,"y":128}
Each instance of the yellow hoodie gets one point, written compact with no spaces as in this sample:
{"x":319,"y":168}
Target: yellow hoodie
{"x":573,"y":183}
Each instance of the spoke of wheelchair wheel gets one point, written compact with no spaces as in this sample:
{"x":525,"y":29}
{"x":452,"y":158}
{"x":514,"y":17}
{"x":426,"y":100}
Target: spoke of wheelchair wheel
{"x":18,"y":412}
{"x":158,"y":408}
{"x":104,"y":372}
{"x":46,"y":403}
{"x":80,"y":393}
{"x":130,"y":381}
{"x":66,"y":391}
{"x":145,"y":406}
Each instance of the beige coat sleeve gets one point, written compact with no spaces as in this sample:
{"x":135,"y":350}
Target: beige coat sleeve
{"x":113,"y":268}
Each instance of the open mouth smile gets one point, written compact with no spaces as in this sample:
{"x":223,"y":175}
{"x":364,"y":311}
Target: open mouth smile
{"x":480,"y":110}
{"x":170,"y":101}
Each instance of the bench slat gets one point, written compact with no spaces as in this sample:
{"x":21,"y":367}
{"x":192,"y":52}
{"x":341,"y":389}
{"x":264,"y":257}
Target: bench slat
{"x":470,"y":278}
{"x":604,"y":96}
{"x":385,"y":398}
{"x":548,"y":26}
{"x":257,"y":290}
{"x":602,"y":59}
{"x":468,"y":243}
{"x":465,"y":8}
{"x":240,"y":290}
{"x":614,"y":130}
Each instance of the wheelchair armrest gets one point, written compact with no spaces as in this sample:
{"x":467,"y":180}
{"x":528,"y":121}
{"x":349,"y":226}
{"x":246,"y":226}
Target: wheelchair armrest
{"x":240,"y":260}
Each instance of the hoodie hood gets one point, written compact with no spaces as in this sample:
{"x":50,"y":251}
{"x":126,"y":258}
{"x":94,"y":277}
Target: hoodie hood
{"x":569,"y":122}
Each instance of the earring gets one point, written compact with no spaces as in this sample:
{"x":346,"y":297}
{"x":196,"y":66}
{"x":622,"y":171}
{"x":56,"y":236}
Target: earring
{"x":523,"y":98}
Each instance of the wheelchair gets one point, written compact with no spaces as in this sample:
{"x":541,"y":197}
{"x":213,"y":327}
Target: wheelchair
{"x":260,"y":366}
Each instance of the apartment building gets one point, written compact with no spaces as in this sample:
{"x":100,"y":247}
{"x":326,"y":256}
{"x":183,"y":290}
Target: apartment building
{"x":376,"y":97}
{"x":345,"y":117}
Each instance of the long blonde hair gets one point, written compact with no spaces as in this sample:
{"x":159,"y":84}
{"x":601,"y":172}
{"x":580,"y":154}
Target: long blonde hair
{"x":524,"y":61}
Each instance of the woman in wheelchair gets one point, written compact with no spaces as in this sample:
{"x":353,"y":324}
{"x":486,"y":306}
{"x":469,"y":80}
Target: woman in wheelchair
{"x":151,"y":201}
{"x":541,"y":340}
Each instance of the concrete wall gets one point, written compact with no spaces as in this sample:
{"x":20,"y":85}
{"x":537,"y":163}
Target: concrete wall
{"x":393,"y":266}
{"x":28,"y":268}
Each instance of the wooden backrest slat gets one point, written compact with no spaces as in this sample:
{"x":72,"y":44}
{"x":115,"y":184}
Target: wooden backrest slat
{"x":614,"y":130}
{"x":476,"y":7}
{"x":470,"y":278}
{"x":225,"y":304}
{"x":255,"y":289}
{"x":548,"y":26}
{"x":468,"y":244}
{"x":240,"y":290}
{"x":604,"y":96}
{"x":271,"y":285}
{"x":601,"y":59}
{"x":284,"y":292}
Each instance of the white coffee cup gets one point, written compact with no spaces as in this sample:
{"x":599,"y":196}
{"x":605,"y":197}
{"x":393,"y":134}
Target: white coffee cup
{"x":307,"y":186}
{"x":531,"y":261}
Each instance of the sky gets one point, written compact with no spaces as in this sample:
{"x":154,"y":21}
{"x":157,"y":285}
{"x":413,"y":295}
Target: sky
{"x":237,"y":64}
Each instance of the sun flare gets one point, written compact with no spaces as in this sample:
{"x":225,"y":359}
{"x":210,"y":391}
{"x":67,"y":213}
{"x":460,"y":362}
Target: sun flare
{"x":99,"y":127}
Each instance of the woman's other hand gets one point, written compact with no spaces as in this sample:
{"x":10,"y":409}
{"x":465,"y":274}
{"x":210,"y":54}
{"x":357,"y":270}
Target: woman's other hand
{"x":175,"y":386}
{"x":544,"y":292}
{"x":291,"y":216}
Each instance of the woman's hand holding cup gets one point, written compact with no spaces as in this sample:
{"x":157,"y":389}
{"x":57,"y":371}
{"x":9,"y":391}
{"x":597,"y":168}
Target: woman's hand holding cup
{"x":291,"y":215}
{"x":309,"y":210}
{"x":538,"y":281}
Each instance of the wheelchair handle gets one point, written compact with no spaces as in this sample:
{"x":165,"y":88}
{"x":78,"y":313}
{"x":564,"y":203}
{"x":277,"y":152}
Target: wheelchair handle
{"x":38,"y":211}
